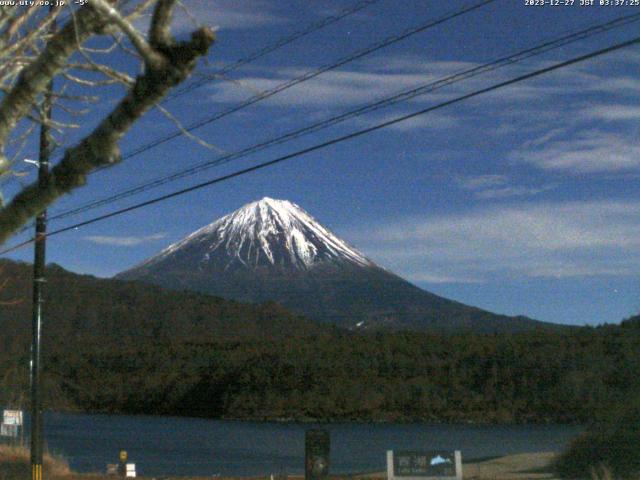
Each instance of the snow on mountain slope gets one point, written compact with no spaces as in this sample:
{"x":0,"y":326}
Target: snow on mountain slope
{"x":272,"y":250}
{"x":267,"y":232}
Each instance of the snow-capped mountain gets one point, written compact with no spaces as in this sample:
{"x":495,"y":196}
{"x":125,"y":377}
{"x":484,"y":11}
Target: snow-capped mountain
{"x":267,"y":233}
{"x":272,"y":250}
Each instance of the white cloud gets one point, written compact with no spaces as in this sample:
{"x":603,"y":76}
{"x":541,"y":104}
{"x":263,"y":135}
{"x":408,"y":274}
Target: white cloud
{"x":334,"y":88}
{"x":225,"y":14}
{"x":371,"y":80}
{"x":414,"y":64}
{"x":374,"y":78}
{"x":441,"y":278}
{"x":620,"y":85}
{"x":511,"y":191}
{"x":118,"y":241}
{"x":592,"y":151}
{"x":517,"y":241}
{"x":612,"y":112}
{"x":497,"y":186}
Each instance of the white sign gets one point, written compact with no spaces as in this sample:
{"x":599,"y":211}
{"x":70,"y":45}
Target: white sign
{"x":9,"y":430}
{"x":12,"y":417}
{"x":131,"y":469}
{"x":424,"y":465}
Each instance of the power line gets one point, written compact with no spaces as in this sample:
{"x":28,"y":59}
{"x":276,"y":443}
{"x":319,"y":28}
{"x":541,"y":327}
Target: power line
{"x":278,"y":44}
{"x":305,"y":77}
{"x":340,"y":139}
{"x":313,"y":27}
{"x":385,"y":102}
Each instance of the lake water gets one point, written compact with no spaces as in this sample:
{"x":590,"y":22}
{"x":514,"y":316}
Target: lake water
{"x":191,"y":446}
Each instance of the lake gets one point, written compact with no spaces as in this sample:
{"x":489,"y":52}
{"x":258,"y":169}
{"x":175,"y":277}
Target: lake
{"x":192,"y":446}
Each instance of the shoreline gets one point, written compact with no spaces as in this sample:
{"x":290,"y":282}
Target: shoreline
{"x":522,"y":466}
{"x":318,"y":421}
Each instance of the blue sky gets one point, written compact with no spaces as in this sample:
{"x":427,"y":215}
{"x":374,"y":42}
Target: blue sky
{"x":521,"y":201}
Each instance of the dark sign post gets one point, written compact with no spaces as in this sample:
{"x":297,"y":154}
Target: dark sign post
{"x":122,"y":466}
{"x":316,"y":454}
{"x":424,"y":465}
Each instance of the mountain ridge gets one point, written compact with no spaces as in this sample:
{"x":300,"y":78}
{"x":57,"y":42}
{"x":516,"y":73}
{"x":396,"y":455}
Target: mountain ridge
{"x":274,"y":250}
{"x":84,"y":305}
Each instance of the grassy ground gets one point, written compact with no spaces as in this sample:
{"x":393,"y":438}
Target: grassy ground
{"x":14,"y":465}
{"x":513,"y":467}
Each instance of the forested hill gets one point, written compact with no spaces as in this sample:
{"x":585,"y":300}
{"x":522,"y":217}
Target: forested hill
{"x":530,"y":377}
{"x":81,"y":305}
{"x":195,"y":355}
{"x":631,"y":322}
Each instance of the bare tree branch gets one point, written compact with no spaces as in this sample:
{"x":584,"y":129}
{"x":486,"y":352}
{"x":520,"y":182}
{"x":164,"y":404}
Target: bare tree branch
{"x":104,"y":70}
{"x":151,"y":57}
{"x":100,"y":147}
{"x":160,"y":33}
{"x":35,"y":77}
{"x":88,"y":83}
{"x":18,"y":20}
{"x":10,"y":50}
{"x":186,"y":132}
{"x":140,"y":9}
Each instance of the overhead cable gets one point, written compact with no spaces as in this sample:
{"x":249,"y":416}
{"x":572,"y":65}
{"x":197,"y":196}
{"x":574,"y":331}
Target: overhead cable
{"x":337,"y":140}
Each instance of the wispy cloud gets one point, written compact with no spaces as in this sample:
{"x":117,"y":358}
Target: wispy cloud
{"x":368,"y":81}
{"x":372,"y":79}
{"x":330,"y":89}
{"x":516,"y":241}
{"x":556,"y":108}
{"x":118,"y":241}
{"x":511,"y":191}
{"x":591,"y":151}
{"x":441,"y":278}
{"x":225,"y":14}
{"x":498,"y":186}
{"x":612,"y":112}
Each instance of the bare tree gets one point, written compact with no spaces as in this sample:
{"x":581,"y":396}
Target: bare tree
{"x":31,"y":57}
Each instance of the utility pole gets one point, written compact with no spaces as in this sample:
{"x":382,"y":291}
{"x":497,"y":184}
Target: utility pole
{"x":38,"y":287}
{"x":37,"y":434}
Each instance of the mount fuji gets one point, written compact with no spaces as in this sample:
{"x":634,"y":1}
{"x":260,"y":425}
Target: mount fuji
{"x":272,"y":250}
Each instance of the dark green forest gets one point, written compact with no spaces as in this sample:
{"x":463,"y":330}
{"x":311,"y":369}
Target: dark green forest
{"x":199,"y":356}
{"x":387,"y":377}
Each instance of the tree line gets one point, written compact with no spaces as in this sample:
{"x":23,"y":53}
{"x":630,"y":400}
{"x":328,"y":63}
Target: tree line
{"x":112,"y":346}
{"x":529,"y":377}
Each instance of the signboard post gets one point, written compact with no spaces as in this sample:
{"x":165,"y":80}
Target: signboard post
{"x":123,"y":456}
{"x":11,"y":426}
{"x":131,"y":470}
{"x":11,"y":431}
{"x":424,"y":465}
{"x":12,"y":417}
{"x":316,"y":458}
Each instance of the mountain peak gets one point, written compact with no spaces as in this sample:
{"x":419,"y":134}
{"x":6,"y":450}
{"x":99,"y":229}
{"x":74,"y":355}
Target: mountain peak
{"x":272,"y":201}
{"x":272,"y":250}
{"x":265,"y":233}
